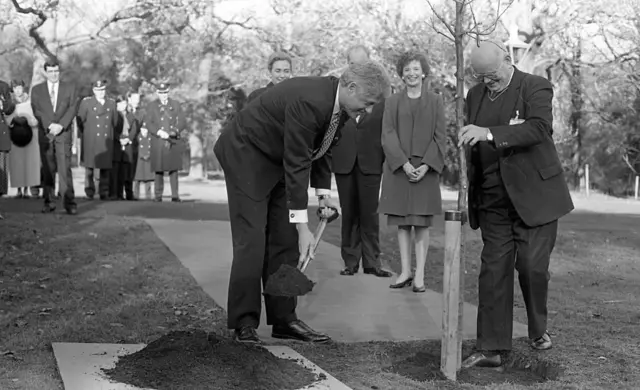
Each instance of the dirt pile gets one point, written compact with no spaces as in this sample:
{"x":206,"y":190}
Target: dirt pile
{"x":195,"y":360}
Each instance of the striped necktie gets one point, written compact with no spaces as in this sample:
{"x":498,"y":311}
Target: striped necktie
{"x":328,"y":136}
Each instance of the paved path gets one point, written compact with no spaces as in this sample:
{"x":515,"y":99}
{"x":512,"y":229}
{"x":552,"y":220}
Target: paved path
{"x":358,"y":308}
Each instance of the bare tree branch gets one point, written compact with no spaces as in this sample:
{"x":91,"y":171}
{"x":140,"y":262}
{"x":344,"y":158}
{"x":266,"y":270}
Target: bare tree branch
{"x":33,"y":29}
{"x":442,"y":19}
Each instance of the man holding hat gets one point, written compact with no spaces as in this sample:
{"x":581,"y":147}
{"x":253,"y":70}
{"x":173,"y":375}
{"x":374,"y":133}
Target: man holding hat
{"x":166,"y":123}
{"x":97,"y":120}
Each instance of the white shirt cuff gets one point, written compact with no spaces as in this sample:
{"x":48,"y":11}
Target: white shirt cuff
{"x":322,"y":191}
{"x":298,"y":216}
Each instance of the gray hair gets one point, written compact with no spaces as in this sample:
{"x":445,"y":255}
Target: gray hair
{"x":369,"y":75}
{"x":358,"y":47}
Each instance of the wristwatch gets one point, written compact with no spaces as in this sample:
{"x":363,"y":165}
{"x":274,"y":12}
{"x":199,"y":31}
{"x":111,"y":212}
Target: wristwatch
{"x":489,"y":136}
{"x":323,"y":197}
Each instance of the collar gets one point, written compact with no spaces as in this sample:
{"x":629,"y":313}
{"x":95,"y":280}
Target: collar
{"x":49,"y":83}
{"x":336,"y":105}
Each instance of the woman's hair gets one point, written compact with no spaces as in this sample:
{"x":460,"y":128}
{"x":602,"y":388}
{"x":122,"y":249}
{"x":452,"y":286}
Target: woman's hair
{"x":17,"y":83}
{"x":120,"y":98}
{"x":411,"y":56}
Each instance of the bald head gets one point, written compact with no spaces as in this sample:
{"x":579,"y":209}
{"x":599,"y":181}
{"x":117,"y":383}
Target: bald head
{"x":491,"y":64}
{"x":488,"y":55}
{"x":357,"y":54}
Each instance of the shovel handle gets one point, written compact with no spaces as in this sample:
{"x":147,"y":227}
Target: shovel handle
{"x":317,"y":236}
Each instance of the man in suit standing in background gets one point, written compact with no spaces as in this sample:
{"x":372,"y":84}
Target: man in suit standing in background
{"x":357,"y":164}
{"x":280,"y":69}
{"x":269,"y":154}
{"x":517,"y":193}
{"x":55,"y":105}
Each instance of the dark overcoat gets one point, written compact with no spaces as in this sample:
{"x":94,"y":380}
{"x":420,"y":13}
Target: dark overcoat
{"x":529,"y":164}
{"x":97,"y":124}
{"x":422,"y":141}
{"x":166,"y":155}
{"x":8,"y":106}
{"x":125,"y":153}
{"x":142,"y":146}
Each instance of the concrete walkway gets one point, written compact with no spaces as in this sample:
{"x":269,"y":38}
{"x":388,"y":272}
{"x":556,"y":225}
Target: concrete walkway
{"x":349,"y":309}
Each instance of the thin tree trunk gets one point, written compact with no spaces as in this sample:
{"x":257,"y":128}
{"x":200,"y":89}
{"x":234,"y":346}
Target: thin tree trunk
{"x":575,"y":119}
{"x":198,"y":166}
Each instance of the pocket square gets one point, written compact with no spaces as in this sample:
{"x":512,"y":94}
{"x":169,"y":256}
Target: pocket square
{"x":515,"y":120}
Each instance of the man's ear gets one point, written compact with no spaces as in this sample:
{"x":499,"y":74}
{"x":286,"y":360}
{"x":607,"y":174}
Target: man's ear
{"x":352,"y":87}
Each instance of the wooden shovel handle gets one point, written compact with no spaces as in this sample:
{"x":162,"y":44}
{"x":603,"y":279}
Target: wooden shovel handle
{"x":318,"y":236}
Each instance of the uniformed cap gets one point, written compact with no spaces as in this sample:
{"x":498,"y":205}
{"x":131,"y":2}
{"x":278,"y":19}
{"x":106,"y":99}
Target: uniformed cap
{"x":162,"y":88}
{"x":99,"y":85}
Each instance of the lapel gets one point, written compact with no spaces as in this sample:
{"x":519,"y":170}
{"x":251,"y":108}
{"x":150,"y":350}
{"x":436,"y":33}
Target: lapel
{"x":424,"y":115}
{"x":512,"y":97}
{"x":45,"y":86}
{"x":404,"y":108}
{"x":59,"y":92}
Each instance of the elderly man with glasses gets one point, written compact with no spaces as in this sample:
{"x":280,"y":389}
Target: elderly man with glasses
{"x":517,"y":193}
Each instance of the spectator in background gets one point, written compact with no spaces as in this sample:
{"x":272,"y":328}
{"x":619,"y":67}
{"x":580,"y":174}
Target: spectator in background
{"x":24,"y":158}
{"x":414,"y":141}
{"x":279,"y":67}
{"x":6,"y":108}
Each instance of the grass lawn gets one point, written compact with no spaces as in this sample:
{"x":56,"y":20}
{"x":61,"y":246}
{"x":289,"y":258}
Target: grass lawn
{"x":77,"y":279}
{"x":90,"y":279}
{"x":593,"y":302}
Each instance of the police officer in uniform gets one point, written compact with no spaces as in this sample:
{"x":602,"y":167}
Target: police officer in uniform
{"x":97,"y":120}
{"x":166,"y":123}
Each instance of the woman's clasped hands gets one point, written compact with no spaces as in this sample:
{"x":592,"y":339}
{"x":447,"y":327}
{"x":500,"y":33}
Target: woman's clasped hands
{"x":415,"y":174}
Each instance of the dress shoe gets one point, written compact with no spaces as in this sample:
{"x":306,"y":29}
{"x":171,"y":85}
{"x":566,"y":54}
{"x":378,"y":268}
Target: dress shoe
{"x":417,"y":289}
{"x":48,"y":208}
{"x":177,"y":200}
{"x":404,"y":284}
{"x":542,"y":343}
{"x":379,"y":272}
{"x":349,"y":271}
{"x":298,"y":330}
{"x":72,"y":210}
{"x":482,"y":359}
{"x":246,"y":334}
{"x":104,"y":197}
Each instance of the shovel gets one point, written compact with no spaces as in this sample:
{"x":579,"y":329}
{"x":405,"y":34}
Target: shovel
{"x":289,"y":281}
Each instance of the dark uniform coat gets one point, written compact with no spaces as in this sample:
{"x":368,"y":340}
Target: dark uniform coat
{"x":166,"y":155}
{"x":7,"y":108}
{"x":97,"y":124}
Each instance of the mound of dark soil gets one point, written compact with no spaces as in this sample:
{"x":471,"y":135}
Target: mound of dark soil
{"x":288,"y":281}
{"x":195,"y":360}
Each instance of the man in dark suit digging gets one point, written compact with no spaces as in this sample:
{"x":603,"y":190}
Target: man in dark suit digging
{"x":269,"y":153}
{"x":517,"y":193}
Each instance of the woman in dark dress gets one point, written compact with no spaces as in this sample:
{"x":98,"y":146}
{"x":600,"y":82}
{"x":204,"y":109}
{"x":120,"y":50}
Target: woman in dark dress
{"x":413,"y":139}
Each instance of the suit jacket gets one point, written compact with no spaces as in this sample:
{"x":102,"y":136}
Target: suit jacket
{"x":66,"y":107}
{"x":274,"y":136}
{"x":360,"y":143}
{"x":258,"y":92}
{"x":419,"y":140}
{"x":8,"y":106}
{"x":529,"y":164}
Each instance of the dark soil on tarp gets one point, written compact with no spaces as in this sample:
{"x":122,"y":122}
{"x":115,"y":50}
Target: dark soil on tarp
{"x":425,"y":366}
{"x":197,"y":360}
{"x":288,"y":281}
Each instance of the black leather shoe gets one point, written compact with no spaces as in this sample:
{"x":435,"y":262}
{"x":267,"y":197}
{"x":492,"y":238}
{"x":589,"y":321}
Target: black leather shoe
{"x":246,"y":334}
{"x":72,"y":210}
{"x":404,"y":284}
{"x":298,"y":330}
{"x":482,"y":359}
{"x":349,"y":271}
{"x":177,"y":200}
{"x":379,"y":272}
{"x":419,"y":289}
{"x":48,"y":208}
